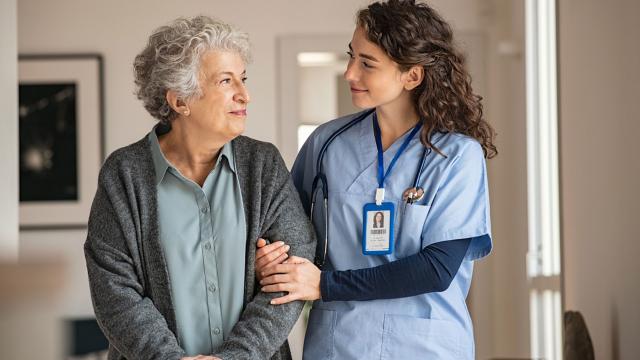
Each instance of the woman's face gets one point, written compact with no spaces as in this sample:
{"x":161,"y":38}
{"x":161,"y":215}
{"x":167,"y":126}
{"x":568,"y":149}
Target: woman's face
{"x":374,"y":78}
{"x":222,"y":109}
{"x":378,"y":217}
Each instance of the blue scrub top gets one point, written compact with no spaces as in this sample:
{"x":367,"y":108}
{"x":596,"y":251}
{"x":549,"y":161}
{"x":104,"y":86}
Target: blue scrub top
{"x":455,"y":206}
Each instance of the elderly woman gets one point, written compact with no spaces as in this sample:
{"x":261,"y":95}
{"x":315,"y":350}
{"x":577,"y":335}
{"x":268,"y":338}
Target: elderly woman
{"x":176,"y":213}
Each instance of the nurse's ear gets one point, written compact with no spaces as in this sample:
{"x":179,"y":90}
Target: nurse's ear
{"x":413,"y":77}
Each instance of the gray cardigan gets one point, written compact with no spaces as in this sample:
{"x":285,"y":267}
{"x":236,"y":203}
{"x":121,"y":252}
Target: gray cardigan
{"x":128,"y":274}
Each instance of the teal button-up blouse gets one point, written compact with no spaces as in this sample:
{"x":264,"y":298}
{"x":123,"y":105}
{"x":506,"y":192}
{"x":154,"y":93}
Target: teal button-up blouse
{"x":203,"y":237}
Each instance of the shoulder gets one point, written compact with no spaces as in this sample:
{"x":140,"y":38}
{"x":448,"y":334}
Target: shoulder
{"x":246,"y":143}
{"x":133,"y":159}
{"x":458,"y":146}
{"x":326,"y":129}
{"x":465,"y":157}
{"x":258,"y":163}
{"x":253,"y":155}
{"x":246,"y":148}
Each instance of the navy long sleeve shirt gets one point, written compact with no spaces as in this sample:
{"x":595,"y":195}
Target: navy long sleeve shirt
{"x":430,"y":270}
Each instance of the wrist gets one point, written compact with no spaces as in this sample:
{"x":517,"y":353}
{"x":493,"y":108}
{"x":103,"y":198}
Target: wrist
{"x":324,"y":285}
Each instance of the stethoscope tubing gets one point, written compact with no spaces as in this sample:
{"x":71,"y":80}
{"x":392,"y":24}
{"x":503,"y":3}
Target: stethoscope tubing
{"x":322,"y":178}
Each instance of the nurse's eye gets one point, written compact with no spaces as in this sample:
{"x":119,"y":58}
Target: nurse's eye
{"x":367,"y":65}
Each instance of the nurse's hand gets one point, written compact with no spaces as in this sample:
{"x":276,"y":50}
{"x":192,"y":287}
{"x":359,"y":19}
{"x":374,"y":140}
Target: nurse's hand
{"x":297,"y":276}
{"x":269,"y":255}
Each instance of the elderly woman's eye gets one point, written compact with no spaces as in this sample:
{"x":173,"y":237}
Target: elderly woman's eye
{"x":244,"y":79}
{"x":225,"y":81}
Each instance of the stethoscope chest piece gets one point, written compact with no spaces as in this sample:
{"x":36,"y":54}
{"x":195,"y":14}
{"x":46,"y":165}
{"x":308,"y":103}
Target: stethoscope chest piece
{"x":413,"y":194}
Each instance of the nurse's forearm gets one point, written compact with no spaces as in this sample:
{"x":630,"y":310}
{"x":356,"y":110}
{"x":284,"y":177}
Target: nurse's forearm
{"x":430,"y":270}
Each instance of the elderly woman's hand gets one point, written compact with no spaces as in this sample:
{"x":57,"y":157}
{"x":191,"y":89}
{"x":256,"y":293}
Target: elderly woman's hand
{"x":269,"y":255}
{"x":297,"y":276}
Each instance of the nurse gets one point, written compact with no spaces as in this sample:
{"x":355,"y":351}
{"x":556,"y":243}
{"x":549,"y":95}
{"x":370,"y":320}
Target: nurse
{"x":416,"y":156}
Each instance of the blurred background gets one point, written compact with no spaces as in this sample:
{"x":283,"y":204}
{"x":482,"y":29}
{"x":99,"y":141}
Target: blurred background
{"x":559,"y":80}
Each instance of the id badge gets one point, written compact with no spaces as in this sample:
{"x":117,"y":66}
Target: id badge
{"x":377,"y":228}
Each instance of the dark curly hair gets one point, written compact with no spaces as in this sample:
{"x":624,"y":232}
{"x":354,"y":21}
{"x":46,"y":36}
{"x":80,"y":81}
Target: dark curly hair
{"x":413,"y":34}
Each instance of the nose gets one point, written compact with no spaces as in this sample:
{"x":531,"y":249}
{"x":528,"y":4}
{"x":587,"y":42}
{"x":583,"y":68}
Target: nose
{"x":242,"y":94}
{"x":351,"y":74}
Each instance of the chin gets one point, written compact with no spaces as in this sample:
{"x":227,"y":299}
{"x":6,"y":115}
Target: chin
{"x":235,"y":132}
{"x":360,"y":103}
{"x":237,"y":126}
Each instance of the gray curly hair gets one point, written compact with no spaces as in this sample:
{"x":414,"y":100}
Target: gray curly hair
{"x":171,"y":60}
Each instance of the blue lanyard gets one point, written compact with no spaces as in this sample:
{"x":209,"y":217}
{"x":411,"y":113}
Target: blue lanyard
{"x":376,"y":131}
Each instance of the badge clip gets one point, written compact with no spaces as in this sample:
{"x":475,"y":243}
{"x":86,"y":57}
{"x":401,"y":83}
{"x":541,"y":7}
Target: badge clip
{"x":379,"y":196}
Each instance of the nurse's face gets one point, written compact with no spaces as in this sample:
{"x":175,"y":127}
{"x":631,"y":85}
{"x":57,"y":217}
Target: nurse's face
{"x":375,"y":80}
{"x":222,"y":110}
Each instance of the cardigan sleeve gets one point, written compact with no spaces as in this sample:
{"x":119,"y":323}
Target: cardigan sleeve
{"x":128,"y":318}
{"x":263,"y":328}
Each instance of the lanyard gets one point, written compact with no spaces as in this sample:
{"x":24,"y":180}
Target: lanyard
{"x":381,"y":173}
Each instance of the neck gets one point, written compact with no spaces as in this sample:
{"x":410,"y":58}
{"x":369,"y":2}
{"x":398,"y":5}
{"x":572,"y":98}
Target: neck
{"x":395,"y":121}
{"x":192,"y":153}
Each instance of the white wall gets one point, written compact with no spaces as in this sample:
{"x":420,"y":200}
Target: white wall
{"x":600,"y":121}
{"x":499,"y":301}
{"x":318,"y":94}
{"x":119,"y":29}
{"x":9,"y":132}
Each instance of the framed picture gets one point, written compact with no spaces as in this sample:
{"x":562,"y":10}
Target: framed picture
{"x":61,"y":136}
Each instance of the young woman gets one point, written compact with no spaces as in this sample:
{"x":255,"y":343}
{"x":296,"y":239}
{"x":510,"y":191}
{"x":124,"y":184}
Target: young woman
{"x":378,"y":220}
{"x":418,"y":156}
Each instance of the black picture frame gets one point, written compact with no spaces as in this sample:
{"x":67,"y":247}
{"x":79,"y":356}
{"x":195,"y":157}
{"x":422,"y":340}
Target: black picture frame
{"x":62,"y":130}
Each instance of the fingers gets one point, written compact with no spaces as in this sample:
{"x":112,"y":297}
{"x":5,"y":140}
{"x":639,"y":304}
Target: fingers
{"x":279,"y":260}
{"x":285,"y":299}
{"x":268,"y":249}
{"x":260,"y":266}
{"x":271,"y":256}
{"x":275,"y":279}
{"x":261,"y":243}
{"x":281,"y":287}
{"x":297,"y":260}
{"x":277,"y":269}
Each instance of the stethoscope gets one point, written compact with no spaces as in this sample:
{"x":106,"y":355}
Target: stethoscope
{"x":411,"y":195}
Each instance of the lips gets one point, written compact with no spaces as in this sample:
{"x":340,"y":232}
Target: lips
{"x":357,"y":91}
{"x":242,"y":112}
